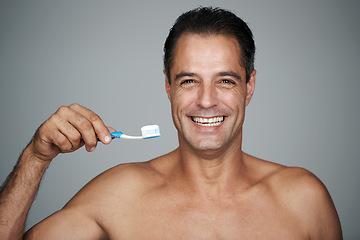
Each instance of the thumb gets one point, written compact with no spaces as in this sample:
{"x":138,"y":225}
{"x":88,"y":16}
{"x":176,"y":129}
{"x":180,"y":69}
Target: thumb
{"x":111,"y":129}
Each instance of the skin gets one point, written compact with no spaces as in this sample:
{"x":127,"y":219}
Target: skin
{"x":207,"y":188}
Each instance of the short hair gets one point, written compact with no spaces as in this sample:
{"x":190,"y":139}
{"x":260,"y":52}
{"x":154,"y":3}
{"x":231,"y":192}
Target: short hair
{"x":208,"y":21}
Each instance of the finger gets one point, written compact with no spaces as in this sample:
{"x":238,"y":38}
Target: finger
{"x":82,"y":143}
{"x":78,"y":122}
{"x":87,"y":132}
{"x":61,"y":142}
{"x":64,"y":135}
{"x":98,"y":125}
{"x":67,"y":129}
{"x":72,"y":134}
{"x":111,"y":129}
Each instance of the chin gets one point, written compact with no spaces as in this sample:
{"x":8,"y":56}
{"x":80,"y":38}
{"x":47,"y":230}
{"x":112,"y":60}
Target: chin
{"x":205,"y":145}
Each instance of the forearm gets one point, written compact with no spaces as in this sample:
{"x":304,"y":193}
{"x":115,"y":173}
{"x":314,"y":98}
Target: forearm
{"x":65,"y":131}
{"x":18,"y":193}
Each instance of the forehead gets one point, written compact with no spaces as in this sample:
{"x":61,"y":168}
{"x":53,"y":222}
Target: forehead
{"x":195,"y":51}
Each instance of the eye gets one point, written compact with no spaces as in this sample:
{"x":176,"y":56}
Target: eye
{"x":227,"y":82}
{"x":187,"y":82}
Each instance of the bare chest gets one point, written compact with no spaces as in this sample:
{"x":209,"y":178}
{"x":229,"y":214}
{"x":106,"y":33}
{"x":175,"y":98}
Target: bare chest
{"x":170,"y":218}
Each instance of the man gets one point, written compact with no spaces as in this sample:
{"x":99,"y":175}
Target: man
{"x":207,"y":188}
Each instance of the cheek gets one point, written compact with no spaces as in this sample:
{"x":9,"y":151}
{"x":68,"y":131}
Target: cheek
{"x":182,"y":99}
{"x":233,"y":99}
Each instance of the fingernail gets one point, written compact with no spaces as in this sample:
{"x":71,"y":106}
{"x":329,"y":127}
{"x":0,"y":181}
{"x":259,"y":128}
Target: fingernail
{"x":92,"y":149}
{"x":107,"y":139}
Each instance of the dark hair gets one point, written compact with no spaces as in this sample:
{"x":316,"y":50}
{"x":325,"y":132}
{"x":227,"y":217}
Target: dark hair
{"x":208,"y":20}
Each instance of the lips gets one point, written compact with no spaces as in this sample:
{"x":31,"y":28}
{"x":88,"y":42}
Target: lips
{"x":209,"y":122}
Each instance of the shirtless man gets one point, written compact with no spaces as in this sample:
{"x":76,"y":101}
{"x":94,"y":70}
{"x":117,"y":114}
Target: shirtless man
{"x":207,"y":188}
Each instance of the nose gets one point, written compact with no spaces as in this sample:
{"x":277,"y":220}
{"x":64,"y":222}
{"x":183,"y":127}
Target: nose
{"x":207,"y":96}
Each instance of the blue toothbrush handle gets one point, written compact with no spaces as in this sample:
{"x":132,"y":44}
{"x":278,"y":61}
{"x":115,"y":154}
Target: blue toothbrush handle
{"x":116,"y":134}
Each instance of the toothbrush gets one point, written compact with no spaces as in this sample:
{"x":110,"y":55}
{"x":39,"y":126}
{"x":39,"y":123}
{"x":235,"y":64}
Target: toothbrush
{"x":148,"y":131}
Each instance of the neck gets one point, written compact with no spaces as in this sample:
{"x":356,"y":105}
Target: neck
{"x":213,"y":171}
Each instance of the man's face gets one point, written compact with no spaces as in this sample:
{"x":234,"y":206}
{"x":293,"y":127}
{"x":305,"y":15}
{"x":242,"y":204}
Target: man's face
{"x":208,"y":91}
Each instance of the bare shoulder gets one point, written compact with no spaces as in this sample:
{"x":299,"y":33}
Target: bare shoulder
{"x":308,"y":199}
{"x":286,"y":181}
{"x":125,"y":181}
{"x":298,"y":185}
{"x":88,"y":213}
{"x":302,"y":195}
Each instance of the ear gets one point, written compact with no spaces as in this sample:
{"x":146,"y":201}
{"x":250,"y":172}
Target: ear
{"x":167,"y":84}
{"x":250,"y":87}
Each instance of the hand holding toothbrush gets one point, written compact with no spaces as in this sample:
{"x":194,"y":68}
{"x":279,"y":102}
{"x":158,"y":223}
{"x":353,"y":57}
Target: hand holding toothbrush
{"x":74,"y":126}
{"x":67,"y":130}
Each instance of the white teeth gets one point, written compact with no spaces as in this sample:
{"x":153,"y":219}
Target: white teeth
{"x":208,"y":121}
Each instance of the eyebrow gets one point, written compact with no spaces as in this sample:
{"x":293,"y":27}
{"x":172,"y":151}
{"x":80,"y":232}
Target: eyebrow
{"x":221,"y":74}
{"x":184,"y":74}
{"x":230,"y":74}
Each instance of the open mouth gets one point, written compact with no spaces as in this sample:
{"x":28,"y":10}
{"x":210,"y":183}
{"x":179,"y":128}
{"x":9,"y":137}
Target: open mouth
{"x":209,"y":122}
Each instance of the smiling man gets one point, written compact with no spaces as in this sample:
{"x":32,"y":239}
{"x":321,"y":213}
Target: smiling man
{"x":207,"y":188}
{"x":209,"y":92}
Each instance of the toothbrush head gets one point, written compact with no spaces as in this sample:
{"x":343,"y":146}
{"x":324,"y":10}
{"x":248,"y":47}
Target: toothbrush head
{"x":150,"y":131}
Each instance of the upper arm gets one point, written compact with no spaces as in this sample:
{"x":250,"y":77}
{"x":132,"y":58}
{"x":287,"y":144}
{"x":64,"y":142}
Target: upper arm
{"x":77,"y":220}
{"x":324,"y":222}
{"x":312,"y":203}
{"x":99,"y":209}
{"x":69,"y":223}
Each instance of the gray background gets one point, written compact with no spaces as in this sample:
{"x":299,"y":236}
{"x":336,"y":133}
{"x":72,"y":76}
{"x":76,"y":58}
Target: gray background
{"x":107,"y":56}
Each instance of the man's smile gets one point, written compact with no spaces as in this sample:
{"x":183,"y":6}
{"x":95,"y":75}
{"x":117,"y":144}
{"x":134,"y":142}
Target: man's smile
{"x":209,"y":122}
